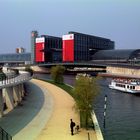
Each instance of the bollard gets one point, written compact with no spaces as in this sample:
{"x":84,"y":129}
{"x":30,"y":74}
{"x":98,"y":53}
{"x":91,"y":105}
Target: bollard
{"x":105,"y":106}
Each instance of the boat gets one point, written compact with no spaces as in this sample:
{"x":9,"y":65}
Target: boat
{"x":126,"y":85}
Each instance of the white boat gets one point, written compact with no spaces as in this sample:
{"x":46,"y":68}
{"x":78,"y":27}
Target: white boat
{"x":125,"y":85}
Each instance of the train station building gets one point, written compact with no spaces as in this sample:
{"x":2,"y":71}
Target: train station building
{"x":80,"y":47}
{"x":122,"y":55}
{"x":72,"y":47}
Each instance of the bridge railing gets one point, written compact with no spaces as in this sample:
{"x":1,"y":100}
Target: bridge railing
{"x":4,"y":135}
{"x":15,"y":80}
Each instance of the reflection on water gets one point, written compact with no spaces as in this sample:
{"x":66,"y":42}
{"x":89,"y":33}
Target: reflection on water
{"x":123,"y":112}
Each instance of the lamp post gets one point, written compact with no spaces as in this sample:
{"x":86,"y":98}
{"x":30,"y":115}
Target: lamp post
{"x":105,"y":100}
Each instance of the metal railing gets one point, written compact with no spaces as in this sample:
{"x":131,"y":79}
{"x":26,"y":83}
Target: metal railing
{"x":14,"y":80}
{"x":4,"y":135}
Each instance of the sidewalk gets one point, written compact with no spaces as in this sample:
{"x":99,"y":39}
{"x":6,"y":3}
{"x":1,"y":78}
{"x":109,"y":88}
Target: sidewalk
{"x":58,"y":125}
{"x":45,"y":115}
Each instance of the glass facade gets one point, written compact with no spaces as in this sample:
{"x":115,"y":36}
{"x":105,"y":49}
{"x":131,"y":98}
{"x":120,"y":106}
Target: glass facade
{"x":86,"y":45}
{"x":52,"y":49}
{"x":17,"y":57}
{"x":81,"y":47}
{"x":73,"y":47}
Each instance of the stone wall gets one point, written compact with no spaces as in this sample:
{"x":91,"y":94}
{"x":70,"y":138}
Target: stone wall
{"x":124,"y":71}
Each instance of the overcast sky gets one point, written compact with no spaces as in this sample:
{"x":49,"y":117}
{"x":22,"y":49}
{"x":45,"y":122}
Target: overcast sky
{"x":118,"y":20}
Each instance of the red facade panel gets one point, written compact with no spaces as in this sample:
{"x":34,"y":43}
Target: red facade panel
{"x":68,"y":48}
{"x":39,"y":49}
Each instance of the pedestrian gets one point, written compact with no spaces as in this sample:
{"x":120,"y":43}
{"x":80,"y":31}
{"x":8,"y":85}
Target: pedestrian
{"x":72,"y":124}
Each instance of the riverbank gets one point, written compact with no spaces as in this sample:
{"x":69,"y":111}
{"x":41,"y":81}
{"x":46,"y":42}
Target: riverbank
{"x":122,"y":120}
{"x":115,"y":75}
{"x":97,"y":127}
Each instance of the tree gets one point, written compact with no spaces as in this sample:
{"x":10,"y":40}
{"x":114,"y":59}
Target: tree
{"x":85,"y":90}
{"x":57,"y":73}
{"x":2,"y":75}
{"x":16,"y":71}
{"x":28,"y":69}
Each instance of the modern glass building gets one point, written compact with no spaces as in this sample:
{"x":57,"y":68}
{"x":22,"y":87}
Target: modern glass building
{"x":53,"y":49}
{"x":73,"y":47}
{"x":80,"y":47}
{"x":15,"y":58}
{"x":93,"y":42}
{"x":48,"y":49}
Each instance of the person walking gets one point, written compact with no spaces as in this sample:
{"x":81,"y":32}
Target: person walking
{"x":72,"y":124}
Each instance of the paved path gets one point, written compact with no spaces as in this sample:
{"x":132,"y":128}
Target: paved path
{"x":58,"y":125}
{"x":35,"y":126}
{"x":45,"y":115}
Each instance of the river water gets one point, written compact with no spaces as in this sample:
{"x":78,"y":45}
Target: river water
{"x":122,"y":114}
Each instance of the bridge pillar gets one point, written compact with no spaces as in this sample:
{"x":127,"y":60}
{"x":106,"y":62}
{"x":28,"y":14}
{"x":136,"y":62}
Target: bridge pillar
{"x":21,"y":90}
{"x":9,"y":98}
{"x":16,"y":95}
{"x":1,"y":103}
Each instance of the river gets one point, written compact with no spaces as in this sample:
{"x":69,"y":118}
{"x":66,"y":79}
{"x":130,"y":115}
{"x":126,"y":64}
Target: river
{"x":122,"y":114}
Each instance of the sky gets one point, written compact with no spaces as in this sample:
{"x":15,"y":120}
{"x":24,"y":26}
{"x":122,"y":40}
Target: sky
{"x":118,"y":20}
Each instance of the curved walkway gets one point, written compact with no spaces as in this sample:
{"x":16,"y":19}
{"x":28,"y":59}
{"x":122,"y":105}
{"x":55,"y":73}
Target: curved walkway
{"x":43,"y":106}
{"x":50,"y":120}
{"x":58,"y":125}
{"x":23,"y":123}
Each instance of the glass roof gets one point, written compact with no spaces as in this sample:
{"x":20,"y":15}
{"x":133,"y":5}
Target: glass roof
{"x":117,"y":54}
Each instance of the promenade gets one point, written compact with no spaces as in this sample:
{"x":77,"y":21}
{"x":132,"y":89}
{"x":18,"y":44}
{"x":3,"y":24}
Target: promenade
{"x":47,"y":117}
{"x":58,"y":125}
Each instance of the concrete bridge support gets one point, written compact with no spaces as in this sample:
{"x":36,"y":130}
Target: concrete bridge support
{"x":21,"y":90}
{"x":16,"y":94}
{"x":9,"y":98}
{"x":12,"y":92}
{"x":1,"y":103}
{"x":12,"y":96}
